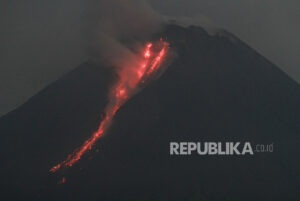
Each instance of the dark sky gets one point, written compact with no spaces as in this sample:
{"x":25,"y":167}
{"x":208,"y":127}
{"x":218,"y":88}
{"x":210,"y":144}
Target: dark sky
{"x":41,"y":40}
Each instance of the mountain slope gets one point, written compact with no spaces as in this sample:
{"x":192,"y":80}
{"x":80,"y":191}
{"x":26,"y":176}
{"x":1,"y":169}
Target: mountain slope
{"x":217,"y":89}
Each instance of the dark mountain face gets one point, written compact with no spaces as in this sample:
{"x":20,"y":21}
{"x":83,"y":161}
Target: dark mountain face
{"x":216,"y":90}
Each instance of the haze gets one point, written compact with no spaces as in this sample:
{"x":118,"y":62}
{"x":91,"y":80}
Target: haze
{"x":41,"y":40}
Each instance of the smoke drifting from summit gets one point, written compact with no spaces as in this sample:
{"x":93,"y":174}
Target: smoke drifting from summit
{"x":118,"y":27}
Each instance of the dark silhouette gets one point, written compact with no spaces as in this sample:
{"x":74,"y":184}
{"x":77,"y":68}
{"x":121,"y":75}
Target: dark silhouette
{"x":217,"y":89}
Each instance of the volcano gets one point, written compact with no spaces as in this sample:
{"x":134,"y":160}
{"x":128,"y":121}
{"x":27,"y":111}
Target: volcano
{"x":217,"y":89}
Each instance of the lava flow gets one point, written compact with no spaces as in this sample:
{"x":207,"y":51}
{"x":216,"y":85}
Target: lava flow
{"x":153,"y":57}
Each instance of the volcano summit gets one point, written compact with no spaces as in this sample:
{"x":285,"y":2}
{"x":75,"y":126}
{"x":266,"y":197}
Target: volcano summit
{"x":217,"y":89}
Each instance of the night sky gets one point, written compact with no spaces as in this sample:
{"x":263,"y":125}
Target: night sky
{"x":41,"y":40}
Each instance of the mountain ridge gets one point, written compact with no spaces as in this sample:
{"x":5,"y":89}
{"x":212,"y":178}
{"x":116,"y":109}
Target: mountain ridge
{"x":215,"y":90}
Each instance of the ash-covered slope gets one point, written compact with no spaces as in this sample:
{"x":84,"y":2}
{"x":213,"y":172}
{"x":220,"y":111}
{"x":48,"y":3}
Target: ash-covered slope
{"x":217,"y":89}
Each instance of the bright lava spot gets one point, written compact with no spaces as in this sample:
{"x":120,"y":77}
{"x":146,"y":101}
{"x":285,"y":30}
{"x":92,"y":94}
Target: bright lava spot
{"x":121,"y":92}
{"x":152,"y":58}
{"x":147,"y":54}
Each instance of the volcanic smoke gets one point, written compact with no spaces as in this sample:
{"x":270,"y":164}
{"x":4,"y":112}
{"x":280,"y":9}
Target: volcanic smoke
{"x":130,"y":81}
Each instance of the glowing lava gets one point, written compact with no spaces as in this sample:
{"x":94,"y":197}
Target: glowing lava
{"x":152,"y":59}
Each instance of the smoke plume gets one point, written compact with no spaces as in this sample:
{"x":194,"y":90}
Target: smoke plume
{"x":117,"y":29}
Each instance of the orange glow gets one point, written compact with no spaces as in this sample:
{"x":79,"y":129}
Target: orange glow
{"x":119,"y":94}
{"x":157,"y":59}
{"x":147,"y":50}
{"x":147,"y":54}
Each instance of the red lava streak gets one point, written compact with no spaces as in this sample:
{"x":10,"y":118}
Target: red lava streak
{"x":152,"y":58}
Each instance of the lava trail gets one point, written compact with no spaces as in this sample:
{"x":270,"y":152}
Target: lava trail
{"x":130,"y":81}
